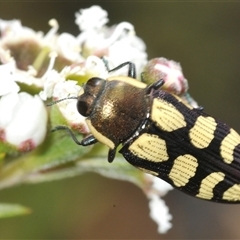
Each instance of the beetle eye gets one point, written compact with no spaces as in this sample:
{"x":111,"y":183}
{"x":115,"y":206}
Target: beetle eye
{"x":85,"y":103}
{"x":93,"y":82}
{"x":82,"y":107}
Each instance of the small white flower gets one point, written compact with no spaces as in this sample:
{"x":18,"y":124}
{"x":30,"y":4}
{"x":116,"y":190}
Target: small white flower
{"x":7,"y":80}
{"x":159,"y":186}
{"x":128,"y":49}
{"x":56,"y":86}
{"x":118,"y":32}
{"x":28,"y":77}
{"x":65,"y":89}
{"x":65,"y":44}
{"x":49,"y":82}
{"x":159,"y":212}
{"x":23,"y":120}
{"x":10,"y":75}
{"x":13,"y":31}
{"x":68,"y":46}
{"x":91,"y":18}
{"x":5,"y":56}
{"x":75,"y":120}
{"x":118,"y":43}
{"x":95,"y":67}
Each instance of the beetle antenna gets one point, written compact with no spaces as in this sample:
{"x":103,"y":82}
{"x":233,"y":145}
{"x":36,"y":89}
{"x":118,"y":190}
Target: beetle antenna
{"x":60,"y":100}
{"x":105,"y":61}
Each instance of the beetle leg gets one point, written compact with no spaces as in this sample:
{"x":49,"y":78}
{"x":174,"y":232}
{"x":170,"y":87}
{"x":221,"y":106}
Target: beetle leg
{"x":111,"y":154}
{"x":89,"y":140}
{"x":156,"y":85}
{"x":131,"y":68}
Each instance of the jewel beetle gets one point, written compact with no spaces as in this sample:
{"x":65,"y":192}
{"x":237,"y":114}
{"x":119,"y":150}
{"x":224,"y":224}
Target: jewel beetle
{"x":162,"y":135}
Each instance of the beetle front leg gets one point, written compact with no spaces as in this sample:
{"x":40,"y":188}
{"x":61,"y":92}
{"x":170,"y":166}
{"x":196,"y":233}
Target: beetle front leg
{"x":131,"y":68}
{"x":154,"y":86}
{"x":89,"y":140}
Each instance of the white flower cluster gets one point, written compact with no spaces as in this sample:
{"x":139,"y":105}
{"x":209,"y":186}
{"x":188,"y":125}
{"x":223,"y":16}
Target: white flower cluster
{"x":23,"y":120}
{"x":78,"y":56}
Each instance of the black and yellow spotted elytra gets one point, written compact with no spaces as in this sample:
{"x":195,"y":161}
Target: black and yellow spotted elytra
{"x":162,"y":135}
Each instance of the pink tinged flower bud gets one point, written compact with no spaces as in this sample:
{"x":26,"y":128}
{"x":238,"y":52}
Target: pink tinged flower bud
{"x":23,"y":121}
{"x":168,"y":70}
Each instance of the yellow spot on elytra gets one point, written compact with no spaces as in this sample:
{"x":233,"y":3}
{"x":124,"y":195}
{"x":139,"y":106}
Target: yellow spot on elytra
{"x":149,"y":147}
{"x":202,"y":133}
{"x":208,"y":183}
{"x":233,"y":193}
{"x":166,"y":116}
{"x":228,"y":144}
{"x":101,"y":138}
{"x":183,"y":169}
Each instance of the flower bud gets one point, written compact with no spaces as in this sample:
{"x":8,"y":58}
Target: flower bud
{"x":23,"y":121}
{"x":168,"y":70}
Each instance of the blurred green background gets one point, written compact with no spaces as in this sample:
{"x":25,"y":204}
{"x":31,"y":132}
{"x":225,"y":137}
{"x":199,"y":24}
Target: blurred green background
{"x":205,"y":38}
